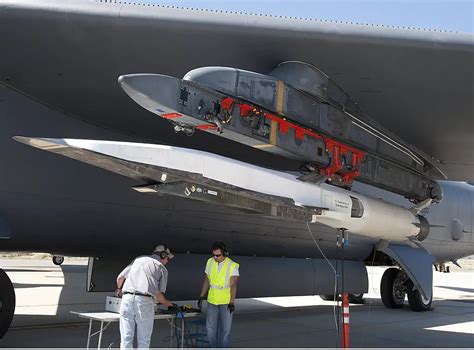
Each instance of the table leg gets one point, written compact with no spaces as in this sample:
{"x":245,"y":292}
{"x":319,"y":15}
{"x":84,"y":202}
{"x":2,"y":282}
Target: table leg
{"x":182,"y":332}
{"x":89,"y":334}
{"x":172,"y":324}
{"x":100,"y":334}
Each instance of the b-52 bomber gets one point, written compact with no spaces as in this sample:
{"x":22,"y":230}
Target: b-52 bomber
{"x":282,"y":137}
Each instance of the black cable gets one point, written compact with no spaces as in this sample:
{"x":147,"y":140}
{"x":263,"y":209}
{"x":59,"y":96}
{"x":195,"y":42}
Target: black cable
{"x":342,"y":261}
{"x":343,"y":242}
{"x":336,"y":279}
{"x":175,"y":333}
{"x":333,"y":269}
{"x":336,"y":295}
{"x":111,"y":344}
{"x":185,"y":331}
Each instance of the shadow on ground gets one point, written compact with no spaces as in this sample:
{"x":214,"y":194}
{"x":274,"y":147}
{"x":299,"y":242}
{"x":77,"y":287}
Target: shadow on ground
{"x":256,"y":323}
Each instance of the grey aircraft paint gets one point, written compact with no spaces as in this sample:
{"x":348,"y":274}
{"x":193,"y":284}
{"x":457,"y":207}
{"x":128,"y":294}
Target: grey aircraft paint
{"x":70,"y":53}
{"x":67,"y":201}
{"x":58,"y":78}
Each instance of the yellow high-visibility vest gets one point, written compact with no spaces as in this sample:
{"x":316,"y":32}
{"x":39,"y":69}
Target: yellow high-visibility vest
{"x":219,"y":281}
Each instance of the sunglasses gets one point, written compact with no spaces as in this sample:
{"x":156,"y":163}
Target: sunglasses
{"x":217,"y":255}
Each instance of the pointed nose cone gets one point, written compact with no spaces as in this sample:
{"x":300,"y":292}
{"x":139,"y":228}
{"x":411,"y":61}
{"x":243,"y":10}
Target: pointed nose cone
{"x":138,"y":84}
{"x":154,"y":92}
{"x":124,"y":79}
{"x":41,"y":143}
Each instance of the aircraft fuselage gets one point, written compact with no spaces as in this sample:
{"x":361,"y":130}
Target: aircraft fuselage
{"x":61,"y":206}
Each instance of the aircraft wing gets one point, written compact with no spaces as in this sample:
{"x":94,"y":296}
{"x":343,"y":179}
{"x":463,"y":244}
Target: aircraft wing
{"x":68,"y":54}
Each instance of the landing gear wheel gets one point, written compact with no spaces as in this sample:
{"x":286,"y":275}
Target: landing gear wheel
{"x":356,"y":298}
{"x":58,"y":259}
{"x":7,"y":302}
{"x":353,"y":298}
{"x":416,"y":300}
{"x":392,"y":288}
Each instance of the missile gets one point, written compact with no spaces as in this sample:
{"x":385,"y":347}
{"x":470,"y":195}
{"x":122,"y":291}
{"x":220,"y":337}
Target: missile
{"x":224,"y":181}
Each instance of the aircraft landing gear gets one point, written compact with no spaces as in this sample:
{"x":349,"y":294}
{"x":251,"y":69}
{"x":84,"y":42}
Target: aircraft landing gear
{"x":58,"y":259}
{"x":416,"y":300}
{"x":442,"y":268}
{"x":356,"y":298}
{"x":7,"y":302}
{"x":353,"y":298}
{"x":393,"y":287}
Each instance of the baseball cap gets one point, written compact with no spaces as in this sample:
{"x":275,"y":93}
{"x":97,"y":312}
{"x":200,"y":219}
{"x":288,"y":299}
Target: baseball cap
{"x":162,"y":248}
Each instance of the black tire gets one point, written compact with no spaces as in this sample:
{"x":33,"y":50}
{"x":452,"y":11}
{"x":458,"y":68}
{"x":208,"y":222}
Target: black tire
{"x":327,"y":297}
{"x":416,"y":301}
{"x":58,"y":259}
{"x":356,"y":298}
{"x":386,"y":289}
{"x":353,"y":298}
{"x":7,"y":302}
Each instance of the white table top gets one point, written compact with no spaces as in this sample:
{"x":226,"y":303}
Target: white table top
{"x":107,"y":316}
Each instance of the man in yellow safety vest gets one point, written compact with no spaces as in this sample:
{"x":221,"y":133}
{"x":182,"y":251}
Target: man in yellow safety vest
{"x":221,"y":283}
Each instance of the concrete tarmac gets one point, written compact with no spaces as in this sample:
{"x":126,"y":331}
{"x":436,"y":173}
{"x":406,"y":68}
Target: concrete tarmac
{"x":47,"y":293}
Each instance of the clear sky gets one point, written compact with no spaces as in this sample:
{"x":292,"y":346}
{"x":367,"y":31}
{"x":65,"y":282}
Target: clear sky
{"x":452,"y":15}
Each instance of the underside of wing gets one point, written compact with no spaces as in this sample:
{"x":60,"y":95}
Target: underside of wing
{"x":416,"y":84}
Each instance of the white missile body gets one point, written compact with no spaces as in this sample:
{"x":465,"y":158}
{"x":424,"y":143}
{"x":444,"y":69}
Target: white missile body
{"x":354,"y":212}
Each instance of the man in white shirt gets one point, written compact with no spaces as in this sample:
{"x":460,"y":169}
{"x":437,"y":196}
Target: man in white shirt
{"x":141,"y":284}
{"x":220,"y":285}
